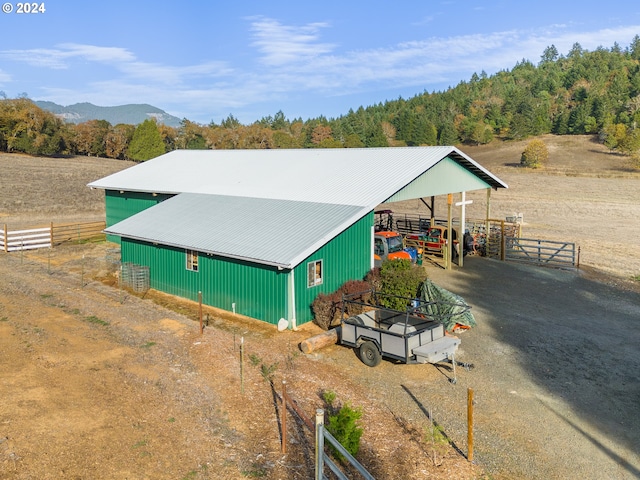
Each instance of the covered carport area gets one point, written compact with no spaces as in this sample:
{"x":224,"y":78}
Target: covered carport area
{"x":452,"y":177}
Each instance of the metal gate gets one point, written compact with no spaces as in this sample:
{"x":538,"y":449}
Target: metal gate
{"x":541,"y":252}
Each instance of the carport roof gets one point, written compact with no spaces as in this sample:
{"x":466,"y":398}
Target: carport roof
{"x":280,"y":233}
{"x":346,"y":176}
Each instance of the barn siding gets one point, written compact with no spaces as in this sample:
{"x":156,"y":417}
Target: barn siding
{"x":258,"y":291}
{"x":346,"y":257}
{"x":123,"y":205}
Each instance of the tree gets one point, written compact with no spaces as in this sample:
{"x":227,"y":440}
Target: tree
{"x":319,"y":134}
{"x":90,"y":137}
{"x":549,"y":55}
{"x":634,"y":48}
{"x":535,"y":154}
{"x":191,"y":136}
{"x":448,"y":135}
{"x":146,"y":142}
{"x":24,"y":127}
{"x":117,"y":140}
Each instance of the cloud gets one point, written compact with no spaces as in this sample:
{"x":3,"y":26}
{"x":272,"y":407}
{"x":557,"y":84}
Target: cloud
{"x":174,"y":75}
{"x":286,"y":44}
{"x":421,"y":62}
{"x":61,"y":56}
{"x":4,"y":77}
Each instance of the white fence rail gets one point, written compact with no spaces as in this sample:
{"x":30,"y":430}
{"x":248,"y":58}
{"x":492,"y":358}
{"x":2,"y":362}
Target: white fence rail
{"x":46,"y":237}
{"x":541,"y":252}
{"x":25,"y":239}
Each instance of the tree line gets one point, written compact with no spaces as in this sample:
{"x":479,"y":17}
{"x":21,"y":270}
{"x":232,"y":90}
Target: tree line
{"x":582,"y":92}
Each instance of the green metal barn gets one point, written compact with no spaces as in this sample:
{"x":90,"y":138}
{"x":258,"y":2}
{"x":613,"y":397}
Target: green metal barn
{"x":263,"y":232}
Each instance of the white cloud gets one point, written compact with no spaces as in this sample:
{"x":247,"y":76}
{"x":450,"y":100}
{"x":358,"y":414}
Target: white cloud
{"x":420,"y":62}
{"x":285,"y":44}
{"x":60,"y":57}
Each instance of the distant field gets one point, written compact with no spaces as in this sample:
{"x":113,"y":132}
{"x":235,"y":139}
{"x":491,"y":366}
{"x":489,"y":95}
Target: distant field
{"x":39,"y":190}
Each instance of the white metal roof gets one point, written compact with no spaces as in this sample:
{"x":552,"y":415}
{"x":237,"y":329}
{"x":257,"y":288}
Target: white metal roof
{"x":281,"y":233}
{"x":363,"y":177}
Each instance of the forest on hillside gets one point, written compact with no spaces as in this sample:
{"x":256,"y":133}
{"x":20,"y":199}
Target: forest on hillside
{"x":580,"y":92}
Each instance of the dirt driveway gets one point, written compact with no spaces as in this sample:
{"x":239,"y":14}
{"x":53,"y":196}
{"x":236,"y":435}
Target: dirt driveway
{"x":557,"y":377}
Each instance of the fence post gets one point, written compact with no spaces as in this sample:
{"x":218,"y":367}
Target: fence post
{"x":51,"y":234}
{"x":470,"y":424}
{"x":503,"y":242}
{"x":242,"y":365}
{"x":6,"y":240}
{"x":319,"y":444}
{"x":200,"y":311}
{"x":539,"y":252}
{"x":283,"y":416}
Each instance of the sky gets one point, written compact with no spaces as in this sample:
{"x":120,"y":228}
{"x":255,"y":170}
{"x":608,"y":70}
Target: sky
{"x":206,"y":60}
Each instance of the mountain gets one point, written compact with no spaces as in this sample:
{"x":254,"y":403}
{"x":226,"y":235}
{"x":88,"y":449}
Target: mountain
{"x":131,"y":114}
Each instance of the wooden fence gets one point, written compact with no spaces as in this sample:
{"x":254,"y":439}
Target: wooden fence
{"x":541,"y":252}
{"x":47,"y":237}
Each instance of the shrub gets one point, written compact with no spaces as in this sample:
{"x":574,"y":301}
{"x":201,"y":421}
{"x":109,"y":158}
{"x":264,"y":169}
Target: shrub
{"x":343,"y":425}
{"x":535,"y":154}
{"x":327,"y":308}
{"x":399,"y":278}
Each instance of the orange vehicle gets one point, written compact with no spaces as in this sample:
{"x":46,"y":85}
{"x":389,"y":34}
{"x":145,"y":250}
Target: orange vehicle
{"x":389,"y":246}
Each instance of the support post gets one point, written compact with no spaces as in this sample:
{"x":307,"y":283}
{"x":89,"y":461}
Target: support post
{"x":463,"y":227}
{"x":319,"y":473}
{"x":449,"y":232}
{"x":283,"y":417}
{"x":470,"y":424}
{"x":486,"y":223}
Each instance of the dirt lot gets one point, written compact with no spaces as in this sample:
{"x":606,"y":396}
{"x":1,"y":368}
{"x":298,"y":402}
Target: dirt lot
{"x":98,"y":383}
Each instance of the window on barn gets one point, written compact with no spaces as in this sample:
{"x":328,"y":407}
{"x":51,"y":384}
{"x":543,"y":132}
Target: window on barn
{"x":192,"y":260}
{"x":314,"y":273}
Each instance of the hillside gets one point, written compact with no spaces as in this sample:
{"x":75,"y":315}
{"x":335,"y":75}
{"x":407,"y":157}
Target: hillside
{"x":131,"y":114}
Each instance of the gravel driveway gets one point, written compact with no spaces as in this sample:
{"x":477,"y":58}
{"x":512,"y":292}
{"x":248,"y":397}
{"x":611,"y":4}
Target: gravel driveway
{"x":557,"y":372}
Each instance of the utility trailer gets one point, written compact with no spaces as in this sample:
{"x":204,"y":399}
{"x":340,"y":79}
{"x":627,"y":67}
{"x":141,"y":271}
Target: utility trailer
{"x":410,"y":336}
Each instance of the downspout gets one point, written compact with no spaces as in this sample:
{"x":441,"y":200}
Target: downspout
{"x":292,"y":302}
{"x":373,"y":264}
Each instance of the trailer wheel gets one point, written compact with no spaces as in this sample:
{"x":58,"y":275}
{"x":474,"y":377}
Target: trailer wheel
{"x":369,"y":354}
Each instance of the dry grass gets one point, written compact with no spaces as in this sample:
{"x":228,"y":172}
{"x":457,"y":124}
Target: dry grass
{"x":39,"y":190}
{"x":584,"y":195}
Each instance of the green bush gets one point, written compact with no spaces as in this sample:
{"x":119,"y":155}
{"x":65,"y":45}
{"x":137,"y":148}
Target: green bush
{"x":399,"y":278}
{"x":343,"y":425}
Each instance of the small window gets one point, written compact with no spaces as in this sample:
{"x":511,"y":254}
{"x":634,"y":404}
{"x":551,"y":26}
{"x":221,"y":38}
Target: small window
{"x":192,"y":260}
{"x":314,"y":273}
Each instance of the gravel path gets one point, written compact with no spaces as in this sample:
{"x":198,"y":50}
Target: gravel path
{"x":557,"y":379}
